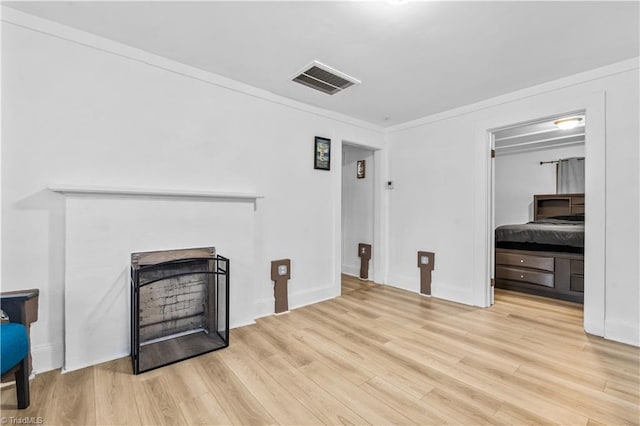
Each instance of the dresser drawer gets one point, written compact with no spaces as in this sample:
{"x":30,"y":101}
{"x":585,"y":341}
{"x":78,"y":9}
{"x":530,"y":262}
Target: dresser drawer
{"x":525,"y":275}
{"x":577,"y":267}
{"x":577,"y":283}
{"x":525,"y":261}
{"x":577,"y":209}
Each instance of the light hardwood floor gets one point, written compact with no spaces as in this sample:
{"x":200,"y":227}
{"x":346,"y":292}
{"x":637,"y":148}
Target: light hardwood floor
{"x":375,"y":355}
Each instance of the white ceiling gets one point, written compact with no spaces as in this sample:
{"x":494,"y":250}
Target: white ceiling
{"x":414,"y":59}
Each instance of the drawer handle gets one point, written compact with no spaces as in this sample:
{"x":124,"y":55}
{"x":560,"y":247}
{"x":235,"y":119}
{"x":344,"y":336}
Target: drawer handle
{"x":522,"y":276}
{"x":521,"y":260}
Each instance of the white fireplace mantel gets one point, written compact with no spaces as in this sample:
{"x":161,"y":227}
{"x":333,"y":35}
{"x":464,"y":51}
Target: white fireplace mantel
{"x":104,"y":225}
{"x":77,"y":190}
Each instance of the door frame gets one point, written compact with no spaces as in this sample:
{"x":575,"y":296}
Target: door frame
{"x":492,"y":185}
{"x":380,"y":213}
{"x":594,"y":107}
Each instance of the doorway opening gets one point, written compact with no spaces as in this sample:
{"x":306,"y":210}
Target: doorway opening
{"x":358,"y":216}
{"x":538,"y":207}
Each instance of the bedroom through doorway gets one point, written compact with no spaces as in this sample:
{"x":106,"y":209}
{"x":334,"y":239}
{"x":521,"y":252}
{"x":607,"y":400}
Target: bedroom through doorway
{"x":538,"y":178}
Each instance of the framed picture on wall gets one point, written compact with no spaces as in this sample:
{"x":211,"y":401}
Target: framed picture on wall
{"x":360,"y":167}
{"x":322,"y":154}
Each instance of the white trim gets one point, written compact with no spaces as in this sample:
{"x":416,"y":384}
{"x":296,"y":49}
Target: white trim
{"x":595,"y":199}
{"x":151,"y":192}
{"x":47,"y":357}
{"x":312,"y":296}
{"x":63,"y":32}
{"x":439,"y":290}
{"x":404,"y":282}
{"x":266,"y":306}
{"x":540,"y":89}
{"x":351,"y":270}
{"x":241,"y":323}
{"x":67,"y":369}
{"x":625,"y":332}
{"x":380,"y":215}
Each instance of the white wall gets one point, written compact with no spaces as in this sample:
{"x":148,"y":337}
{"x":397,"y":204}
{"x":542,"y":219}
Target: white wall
{"x":440,"y":168}
{"x":519,"y":175}
{"x":103,"y":231}
{"x":357,"y":207}
{"x":74,"y":114}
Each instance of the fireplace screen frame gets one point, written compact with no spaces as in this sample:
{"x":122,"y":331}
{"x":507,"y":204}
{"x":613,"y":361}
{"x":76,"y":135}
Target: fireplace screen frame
{"x":212,"y":336}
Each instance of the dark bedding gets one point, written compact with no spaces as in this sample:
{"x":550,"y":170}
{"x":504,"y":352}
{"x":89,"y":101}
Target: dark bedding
{"x":554,"y":233}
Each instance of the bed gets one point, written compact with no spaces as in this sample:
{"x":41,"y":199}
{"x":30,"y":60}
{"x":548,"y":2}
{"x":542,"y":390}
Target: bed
{"x":546,"y":255}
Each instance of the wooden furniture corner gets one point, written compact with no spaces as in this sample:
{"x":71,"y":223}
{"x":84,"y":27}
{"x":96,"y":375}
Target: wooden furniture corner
{"x":21,"y":306}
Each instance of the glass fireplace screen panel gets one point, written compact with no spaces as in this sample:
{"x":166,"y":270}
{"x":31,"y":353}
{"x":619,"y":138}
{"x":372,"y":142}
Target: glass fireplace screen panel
{"x":222,"y":288}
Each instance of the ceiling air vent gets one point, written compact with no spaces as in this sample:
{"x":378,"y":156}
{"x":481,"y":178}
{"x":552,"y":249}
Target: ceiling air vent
{"x":324,"y":78}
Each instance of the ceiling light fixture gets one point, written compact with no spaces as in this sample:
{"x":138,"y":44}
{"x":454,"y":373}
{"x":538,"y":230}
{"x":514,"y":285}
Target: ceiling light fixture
{"x":568,"y":123}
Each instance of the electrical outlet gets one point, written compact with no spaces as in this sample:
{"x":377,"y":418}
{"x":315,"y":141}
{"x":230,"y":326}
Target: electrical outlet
{"x":282,"y":270}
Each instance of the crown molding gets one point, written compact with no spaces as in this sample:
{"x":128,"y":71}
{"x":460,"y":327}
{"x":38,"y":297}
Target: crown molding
{"x":64,"y":32}
{"x":550,"y":86}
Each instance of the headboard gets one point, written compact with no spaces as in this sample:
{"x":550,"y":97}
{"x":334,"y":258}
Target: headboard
{"x":546,"y":205}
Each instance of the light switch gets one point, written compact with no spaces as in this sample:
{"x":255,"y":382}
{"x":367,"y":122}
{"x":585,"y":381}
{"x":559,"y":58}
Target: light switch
{"x":424,"y":260}
{"x":282,"y":270}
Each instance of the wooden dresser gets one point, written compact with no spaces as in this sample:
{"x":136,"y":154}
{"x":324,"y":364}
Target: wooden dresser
{"x":547,"y":273}
{"x":559,"y":275}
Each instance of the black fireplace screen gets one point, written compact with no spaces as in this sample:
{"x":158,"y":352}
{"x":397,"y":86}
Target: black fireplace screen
{"x":179,"y":306}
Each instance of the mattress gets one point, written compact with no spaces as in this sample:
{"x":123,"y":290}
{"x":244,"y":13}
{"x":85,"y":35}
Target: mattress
{"x":560,"y":233}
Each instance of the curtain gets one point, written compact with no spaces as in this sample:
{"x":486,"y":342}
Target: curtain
{"x":570,"y":176}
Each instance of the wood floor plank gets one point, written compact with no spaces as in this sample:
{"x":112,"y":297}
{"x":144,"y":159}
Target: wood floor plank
{"x":519,"y":393}
{"x":377,"y":355}
{"x":595,"y":404}
{"x":416,"y":409}
{"x":257,"y":345}
{"x":204,"y":410}
{"x":78,"y":404}
{"x":113,"y":406}
{"x":325,"y":407}
{"x":626,"y":392}
{"x":238,"y":402}
{"x":156,"y":402}
{"x":372,"y":409}
{"x":44,"y":390}
{"x":276,"y":399}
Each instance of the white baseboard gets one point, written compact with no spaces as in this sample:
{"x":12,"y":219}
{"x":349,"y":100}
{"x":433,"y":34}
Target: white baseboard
{"x":453,"y":294}
{"x":266,"y":307}
{"x":404,"y":282}
{"x":315,"y":295}
{"x":47,"y":357}
{"x":352,"y":270}
{"x":69,"y":368}
{"x":594,"y":328}
{"x":242,"y":323}
{"x":624,"y":332}
{"x":438,"y":289}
